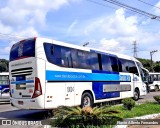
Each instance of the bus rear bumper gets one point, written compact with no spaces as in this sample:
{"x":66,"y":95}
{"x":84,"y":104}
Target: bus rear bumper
{"x":35,"y":103}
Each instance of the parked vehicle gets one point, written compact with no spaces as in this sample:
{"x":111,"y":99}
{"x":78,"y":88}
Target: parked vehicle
{"x":154,"y":83}
{"x":4,"y":86}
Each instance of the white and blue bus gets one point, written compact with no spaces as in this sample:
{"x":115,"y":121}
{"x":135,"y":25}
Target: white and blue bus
{"x":45,"y":74}
{"x":4,"y":85}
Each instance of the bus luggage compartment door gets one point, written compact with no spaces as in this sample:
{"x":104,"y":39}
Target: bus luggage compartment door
{"x":69,"y":94}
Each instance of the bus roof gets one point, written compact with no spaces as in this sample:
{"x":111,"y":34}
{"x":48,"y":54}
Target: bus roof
{"x":86,"y":48}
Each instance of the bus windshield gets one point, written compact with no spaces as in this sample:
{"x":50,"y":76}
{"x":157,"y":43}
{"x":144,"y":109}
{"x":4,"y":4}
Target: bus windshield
{"x":22,"y":49}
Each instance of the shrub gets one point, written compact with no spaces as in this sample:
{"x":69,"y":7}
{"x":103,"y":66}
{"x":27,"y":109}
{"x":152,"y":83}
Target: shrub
{"x":157,"y":98}
{"x":128,"y":103}
{"x":76,"y":116}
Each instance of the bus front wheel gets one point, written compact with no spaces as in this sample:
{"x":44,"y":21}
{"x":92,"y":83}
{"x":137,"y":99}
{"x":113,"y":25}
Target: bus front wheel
{"x":136,"y":95}
{"x":156,"y":88}
{"x":87,"y":100}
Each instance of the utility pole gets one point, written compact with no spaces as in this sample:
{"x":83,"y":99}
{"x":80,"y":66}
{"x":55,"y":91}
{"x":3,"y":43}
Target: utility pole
{"x":135,"y":49}
{"x":151,"y":53}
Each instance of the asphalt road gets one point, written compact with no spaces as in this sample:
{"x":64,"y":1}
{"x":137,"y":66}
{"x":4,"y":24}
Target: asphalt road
{"x":148,"y":97}
{"x":9,"y":112}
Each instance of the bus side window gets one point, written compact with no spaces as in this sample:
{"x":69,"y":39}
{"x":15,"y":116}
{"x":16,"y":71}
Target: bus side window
{"x":114,"y":64}
{"x":66,"y":57}
{"x":119,"y":66}
{"x":93,"y":60}
{"x":106,"y":63}
{"x":83,"y":59}
{"x":132,"y":67}
{"x":155,"y":78}
{"x":74,"y":58}
{"x":54,"y":58}
{"x":124,"y":65}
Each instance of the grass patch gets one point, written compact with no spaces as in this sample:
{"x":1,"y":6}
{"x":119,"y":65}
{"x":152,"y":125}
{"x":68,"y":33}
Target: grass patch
{"x":138,"y":110}
{"x":76,"y":117}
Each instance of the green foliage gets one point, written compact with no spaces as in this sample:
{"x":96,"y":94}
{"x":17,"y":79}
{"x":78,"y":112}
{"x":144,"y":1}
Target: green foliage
{"x":157,"y":98}
{"x":157,"y":67}
{"x":128,"y":103}
{"x":69,"y":116}
{"x":138,"y":110}
{"x":147,"y":64}
{"x":4,"y":65}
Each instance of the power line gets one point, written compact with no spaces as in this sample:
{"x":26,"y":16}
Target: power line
{"x":133,"y":9}
{"x":95,"y":2}
{"x":148,"y":4}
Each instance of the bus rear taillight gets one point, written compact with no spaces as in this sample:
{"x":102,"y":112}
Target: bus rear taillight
{"x":37,"y":88}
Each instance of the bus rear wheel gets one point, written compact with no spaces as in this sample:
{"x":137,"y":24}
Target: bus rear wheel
{"x":87,"y":100}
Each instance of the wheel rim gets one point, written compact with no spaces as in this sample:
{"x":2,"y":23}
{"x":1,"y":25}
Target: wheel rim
{"x":156,"y":88}
{"x":86,"y":101}
{"x":135,"y":95}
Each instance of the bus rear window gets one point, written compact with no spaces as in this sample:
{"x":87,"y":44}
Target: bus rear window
{"x":22,"y":49}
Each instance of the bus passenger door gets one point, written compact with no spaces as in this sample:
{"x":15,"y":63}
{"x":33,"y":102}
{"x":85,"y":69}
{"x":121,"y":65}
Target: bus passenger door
{"x":69,"y":94}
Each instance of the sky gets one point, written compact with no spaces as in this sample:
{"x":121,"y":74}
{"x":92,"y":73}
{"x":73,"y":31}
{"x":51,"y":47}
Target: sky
{"x":104,"y":25}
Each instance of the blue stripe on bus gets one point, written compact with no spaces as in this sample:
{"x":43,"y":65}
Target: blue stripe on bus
{"x":79,"y":76}
{"x":22,"y":82}
{"x":98,"y":78}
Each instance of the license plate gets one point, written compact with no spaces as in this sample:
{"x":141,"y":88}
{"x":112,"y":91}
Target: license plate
{"x":20,"y":102}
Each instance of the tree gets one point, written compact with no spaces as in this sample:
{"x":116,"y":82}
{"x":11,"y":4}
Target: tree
{"x":4,"y":65}
{"x":147,"y":64}
{"x":156,"y":67}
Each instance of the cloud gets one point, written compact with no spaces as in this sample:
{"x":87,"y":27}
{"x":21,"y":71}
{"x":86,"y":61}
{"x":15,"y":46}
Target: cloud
{"x":25,"y":18}
{"x":29,"y":12}
{"x":28,"y":32}
{"x":116,"y":24}
{"x":110,"y":45}
{"x":157,"y":10}
{"x":72,"y":26}
{"x":116,"y":32}
{"x":5,"y":29}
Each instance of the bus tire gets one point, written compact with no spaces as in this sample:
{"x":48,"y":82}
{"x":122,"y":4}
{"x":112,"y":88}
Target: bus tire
{"x":136,"y":95}
{"x":87,"y":100}
{"x":156,"y":88}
